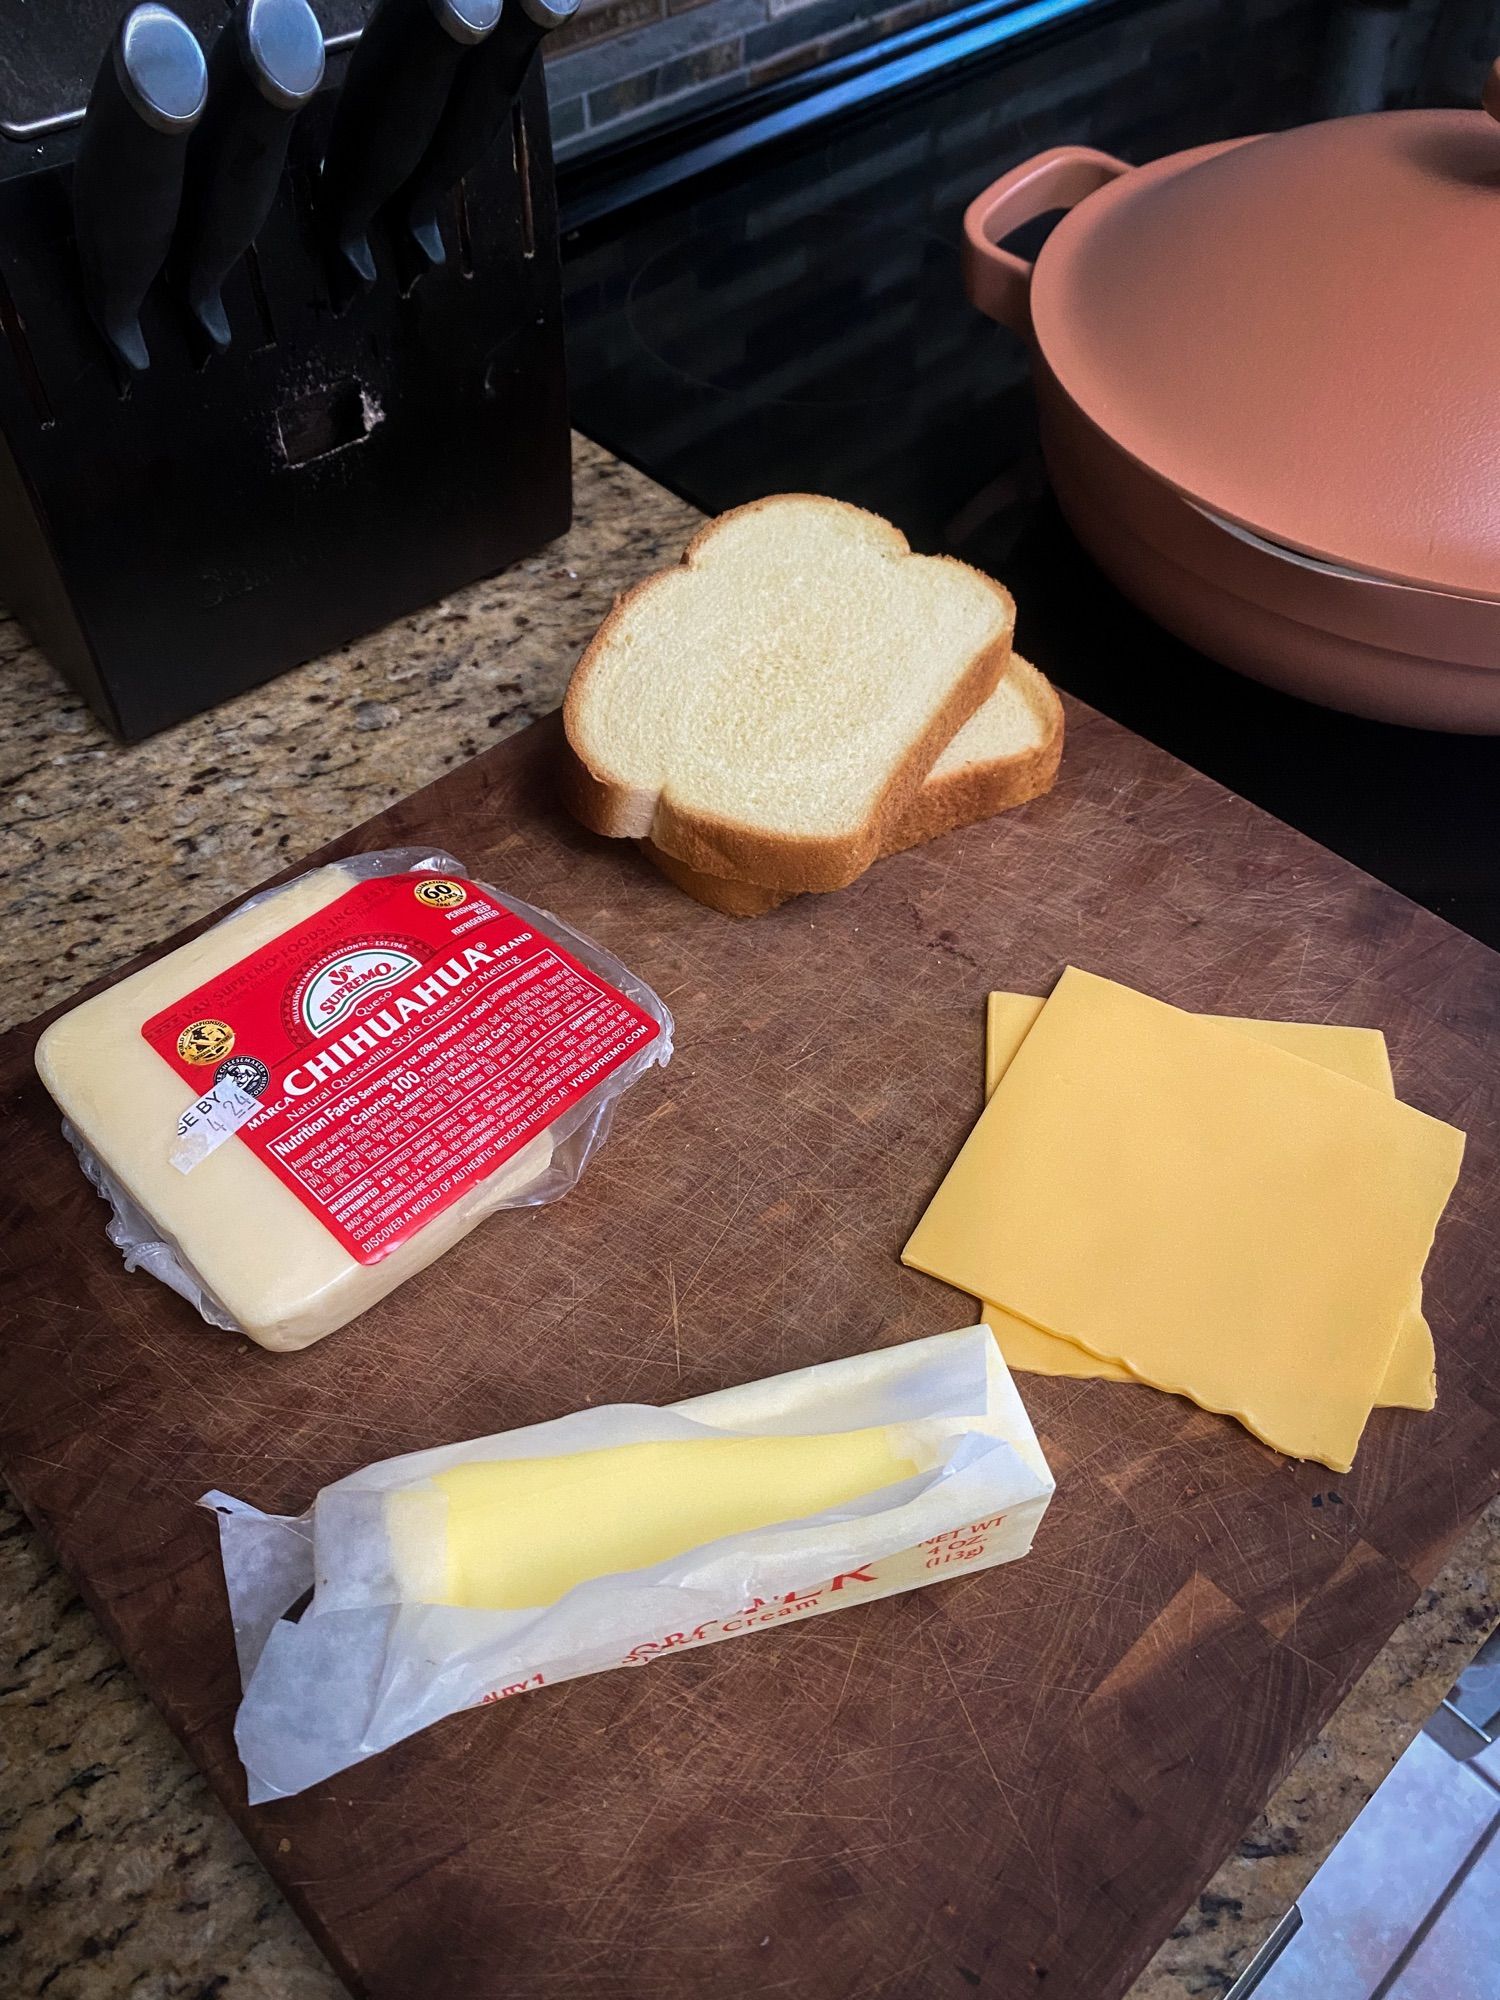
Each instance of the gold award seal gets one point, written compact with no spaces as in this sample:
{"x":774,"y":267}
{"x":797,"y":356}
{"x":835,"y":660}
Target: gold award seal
{"x":441,"y":894}
{"x":205,"y":1042}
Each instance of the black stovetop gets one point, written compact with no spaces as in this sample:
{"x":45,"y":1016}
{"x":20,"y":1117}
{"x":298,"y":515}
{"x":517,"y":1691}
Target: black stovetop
{"x":799,"y":324}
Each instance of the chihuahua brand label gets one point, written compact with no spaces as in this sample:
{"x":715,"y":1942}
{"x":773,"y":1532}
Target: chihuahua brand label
{"x":399,"y":1046}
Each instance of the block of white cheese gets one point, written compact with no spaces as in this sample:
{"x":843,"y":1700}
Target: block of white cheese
{"x":326,"y":1091}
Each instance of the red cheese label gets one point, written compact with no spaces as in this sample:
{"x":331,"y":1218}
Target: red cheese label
{"x":403,"y":1042}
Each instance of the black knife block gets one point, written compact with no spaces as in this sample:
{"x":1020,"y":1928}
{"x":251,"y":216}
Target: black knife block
{"x":227,"y":518}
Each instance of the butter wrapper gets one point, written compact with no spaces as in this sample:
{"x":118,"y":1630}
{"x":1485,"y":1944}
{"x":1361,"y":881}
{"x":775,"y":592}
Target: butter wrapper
{"x":347,"y":1629}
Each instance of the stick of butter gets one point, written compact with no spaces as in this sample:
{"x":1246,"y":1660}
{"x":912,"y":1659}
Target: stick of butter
{"x":518,"y":1533}
{"x":614,"y":1536}
{"x":295,"y":1112}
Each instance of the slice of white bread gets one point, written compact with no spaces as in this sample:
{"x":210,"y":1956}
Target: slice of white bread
{"x":770,"y":707}
{"x":1006,"y":753}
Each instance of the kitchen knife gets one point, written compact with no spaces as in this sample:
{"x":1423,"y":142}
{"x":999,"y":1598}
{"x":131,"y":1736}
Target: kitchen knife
{"x":398,"y":81}
{"x":488,"y":82}
{"x":264,"y":67}
{"x":127,"y":178}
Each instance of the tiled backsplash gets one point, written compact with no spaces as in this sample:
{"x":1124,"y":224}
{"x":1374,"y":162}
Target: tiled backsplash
{"x":622,"y":67}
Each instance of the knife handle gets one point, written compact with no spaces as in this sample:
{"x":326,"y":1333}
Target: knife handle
{"x":398,"y":81}
{"x":488,"y":82}
{"x":127,"y":178}
{"x":265,"y":66}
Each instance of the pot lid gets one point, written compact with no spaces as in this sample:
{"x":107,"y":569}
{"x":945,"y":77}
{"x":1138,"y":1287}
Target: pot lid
{"x":1302,"y":333}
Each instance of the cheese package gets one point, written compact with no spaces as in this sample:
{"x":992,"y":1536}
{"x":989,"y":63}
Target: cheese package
{"x":449,"y":1578}
{"x":295,"y":1112}
{"x":1227,"y":1221}
{"x":1410,"y":1380}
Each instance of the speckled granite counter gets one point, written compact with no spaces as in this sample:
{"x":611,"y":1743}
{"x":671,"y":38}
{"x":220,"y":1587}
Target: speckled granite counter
{"x":118,"y":1874}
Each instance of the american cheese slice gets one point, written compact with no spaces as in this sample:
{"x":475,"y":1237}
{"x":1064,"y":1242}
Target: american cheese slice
{"x":1358,"y":1053}
{"x":259,"y":1253}
{"x":518,"y":1533}
{"x":1227,"y":1221}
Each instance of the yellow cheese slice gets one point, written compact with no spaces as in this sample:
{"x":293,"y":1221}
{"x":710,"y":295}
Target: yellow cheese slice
{"x":1228,"y":1221}
{"x":1410,"y":1381}
{"x":520,"y":1532}
{"x":1358,"y":1053}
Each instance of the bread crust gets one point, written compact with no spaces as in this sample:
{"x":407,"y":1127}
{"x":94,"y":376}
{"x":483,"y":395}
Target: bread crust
{"x":942,"y":805}
{"x":724,"y":893}
{"x":979,"y":791}
{"x":727,"y":848}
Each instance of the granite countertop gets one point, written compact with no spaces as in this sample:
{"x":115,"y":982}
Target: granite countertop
{"x":120,"y":1873}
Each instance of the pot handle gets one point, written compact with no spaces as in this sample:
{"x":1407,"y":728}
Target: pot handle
{"x":996,"y":280}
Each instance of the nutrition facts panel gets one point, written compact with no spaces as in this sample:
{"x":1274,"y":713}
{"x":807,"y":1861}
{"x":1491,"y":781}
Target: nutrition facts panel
{"x":468,"y":1089}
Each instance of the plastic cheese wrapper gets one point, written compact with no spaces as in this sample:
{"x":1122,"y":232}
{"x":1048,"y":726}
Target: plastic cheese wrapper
{"x":609,"y":1538}
{"x":296,"y":1111}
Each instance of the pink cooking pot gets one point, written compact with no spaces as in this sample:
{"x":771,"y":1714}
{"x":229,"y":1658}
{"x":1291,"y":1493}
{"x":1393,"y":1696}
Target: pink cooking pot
{"x":1268,"y":374}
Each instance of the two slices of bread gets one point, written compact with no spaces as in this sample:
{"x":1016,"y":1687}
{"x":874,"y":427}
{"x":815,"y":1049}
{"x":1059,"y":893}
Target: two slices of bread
{"x":794,"y":699}
{"x":1006,"y":753}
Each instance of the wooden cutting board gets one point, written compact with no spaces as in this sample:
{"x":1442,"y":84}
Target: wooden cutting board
{"x":1011,"y":1783}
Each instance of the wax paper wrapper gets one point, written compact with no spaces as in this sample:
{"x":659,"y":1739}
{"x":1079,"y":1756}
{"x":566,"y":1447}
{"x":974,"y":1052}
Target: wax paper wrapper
{"x":341,"y":1655}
